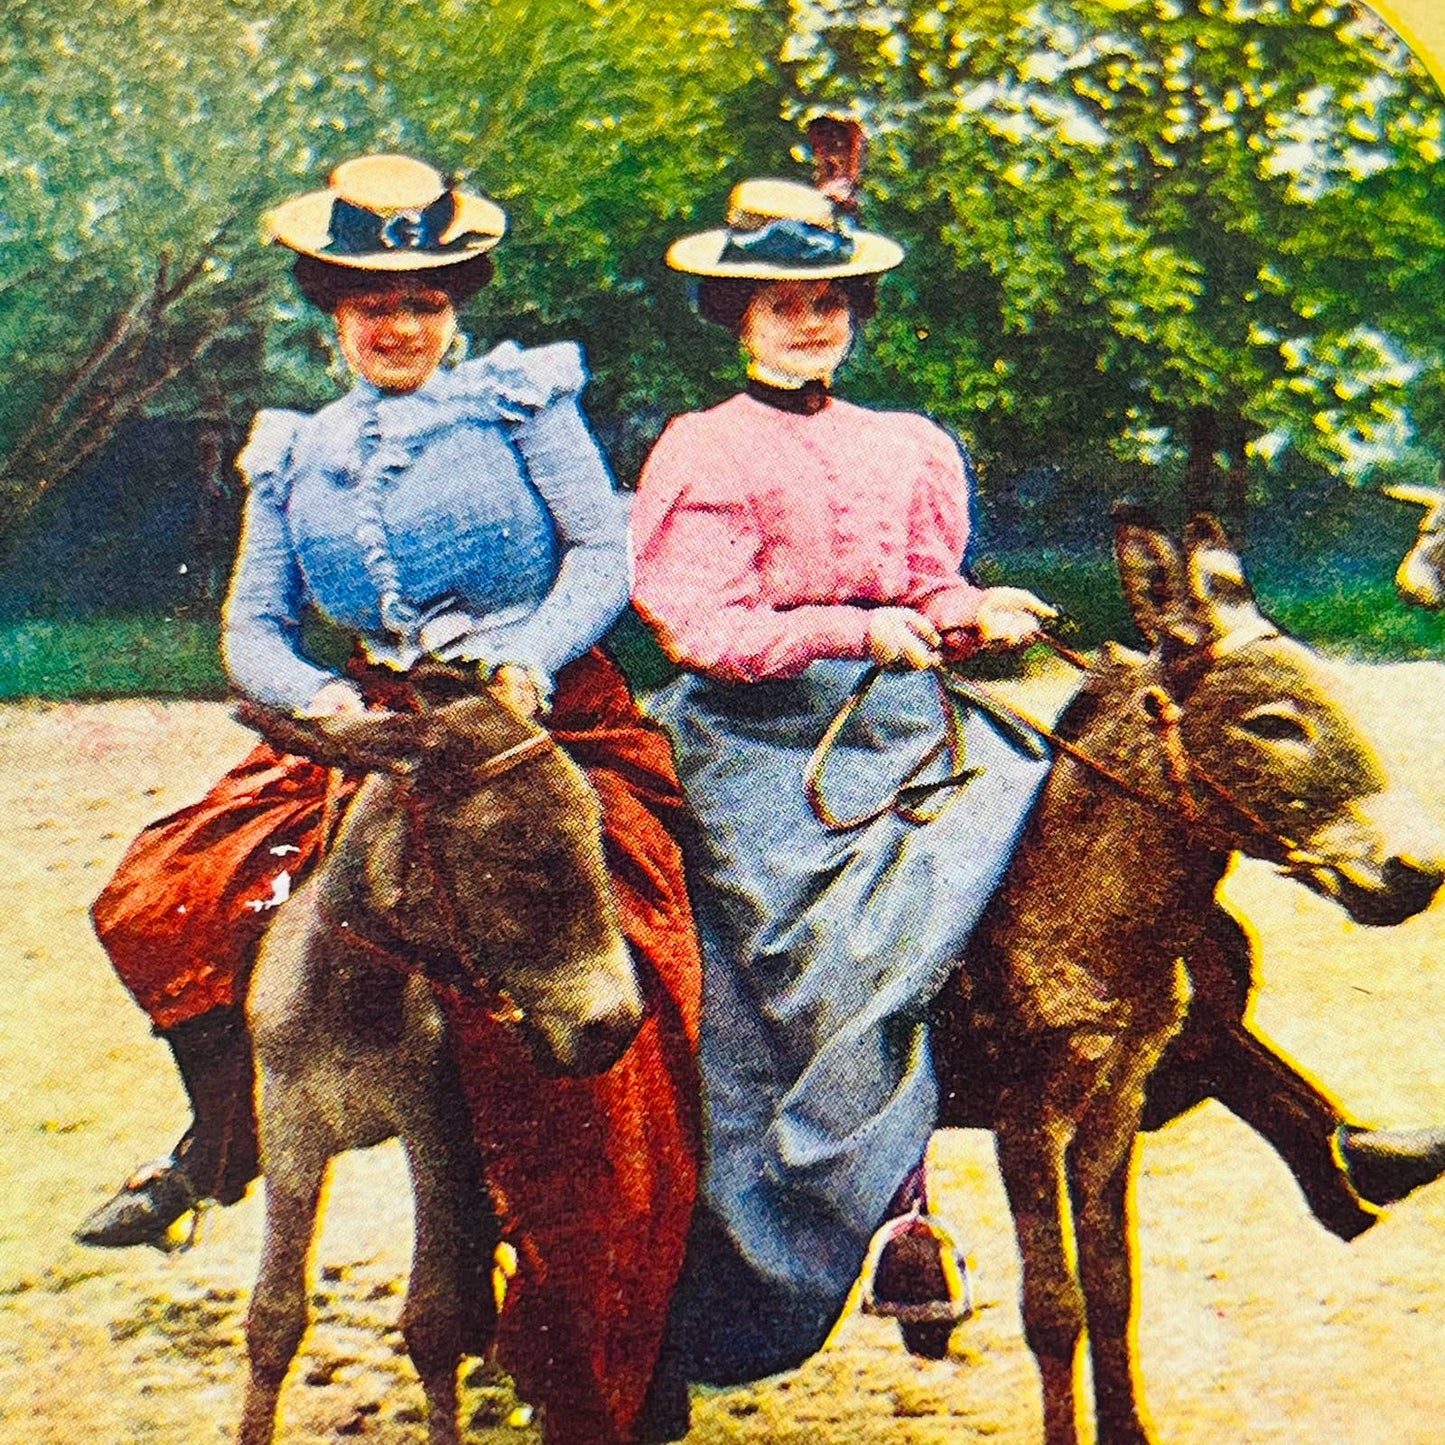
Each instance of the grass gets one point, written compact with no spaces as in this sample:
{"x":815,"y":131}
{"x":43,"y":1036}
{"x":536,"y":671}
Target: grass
{"x":1363,"y":620}
{"x":1341,"y":614}
{"x":168,"y":656}
{"x":101,"y":657}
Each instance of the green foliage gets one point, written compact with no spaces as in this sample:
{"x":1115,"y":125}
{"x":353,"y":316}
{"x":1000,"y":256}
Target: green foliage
{"x":139,"y":144}
{"x":1126,"y":210}
{"x":136,"y":144}
{"x":1359,"y":619}
{"x":1120,"y":212}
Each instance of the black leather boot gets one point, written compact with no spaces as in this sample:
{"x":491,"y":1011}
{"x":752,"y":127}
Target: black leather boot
{"x":916,"y":1273}
{"x":215,"y":1159}
{"x":1385,"y":1165}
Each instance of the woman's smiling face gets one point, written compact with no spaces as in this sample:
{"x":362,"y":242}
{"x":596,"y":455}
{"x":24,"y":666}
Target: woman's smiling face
{"x":799,"y":329}
{"x":396,"y":335}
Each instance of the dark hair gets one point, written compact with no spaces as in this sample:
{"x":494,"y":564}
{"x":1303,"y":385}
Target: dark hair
{"x":325,"y":284}
{"x":725,"y":299}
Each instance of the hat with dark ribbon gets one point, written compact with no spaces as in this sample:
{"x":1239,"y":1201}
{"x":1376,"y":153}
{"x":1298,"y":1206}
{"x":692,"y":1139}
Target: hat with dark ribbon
{"x":387,"y":213}
{"x":784,"y":230}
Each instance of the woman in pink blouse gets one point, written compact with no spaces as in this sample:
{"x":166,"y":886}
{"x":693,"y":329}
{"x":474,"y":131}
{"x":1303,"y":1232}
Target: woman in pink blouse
{"x":783,"y":541}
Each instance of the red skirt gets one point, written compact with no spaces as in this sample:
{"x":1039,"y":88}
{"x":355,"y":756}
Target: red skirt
{"x":594,"y":1178}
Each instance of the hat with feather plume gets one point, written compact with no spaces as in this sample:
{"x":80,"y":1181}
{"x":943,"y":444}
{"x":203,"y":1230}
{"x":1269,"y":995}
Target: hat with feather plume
{"x":781,"y":230}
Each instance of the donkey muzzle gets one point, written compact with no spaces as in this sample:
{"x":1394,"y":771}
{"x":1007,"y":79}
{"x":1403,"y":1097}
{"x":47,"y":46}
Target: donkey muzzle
{"x":1378,"y":860}
{"x":587,"y":1027}
{"x":1397,"y":891}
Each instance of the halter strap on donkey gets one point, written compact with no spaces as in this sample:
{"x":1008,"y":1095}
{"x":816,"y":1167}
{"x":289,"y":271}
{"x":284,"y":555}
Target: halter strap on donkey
{"x":1035,"y":738}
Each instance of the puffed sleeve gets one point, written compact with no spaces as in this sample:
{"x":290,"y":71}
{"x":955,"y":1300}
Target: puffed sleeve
{"x":697,"y":545}
{"x":261,"y":623}
{"x":537,"y":395}
{"x":938,"y":526}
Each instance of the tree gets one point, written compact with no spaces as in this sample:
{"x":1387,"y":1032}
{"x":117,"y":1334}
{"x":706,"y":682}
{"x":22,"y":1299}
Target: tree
{"x":139,"y":144}
{"x":1201,"y":230}
{"x":136,"y":142}
{"x":1147,"y":230}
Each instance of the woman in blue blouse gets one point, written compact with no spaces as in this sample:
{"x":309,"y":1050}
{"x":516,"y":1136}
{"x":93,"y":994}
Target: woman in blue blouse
{"x":465,"y":514}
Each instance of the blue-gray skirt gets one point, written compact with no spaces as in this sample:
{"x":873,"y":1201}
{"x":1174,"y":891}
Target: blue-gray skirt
{"x":822,"y":951}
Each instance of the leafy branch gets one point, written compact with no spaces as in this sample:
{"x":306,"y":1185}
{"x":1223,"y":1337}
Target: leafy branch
{"x":147,"y":346}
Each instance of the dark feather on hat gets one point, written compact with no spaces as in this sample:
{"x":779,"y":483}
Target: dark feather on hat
{"x":839,"y":147}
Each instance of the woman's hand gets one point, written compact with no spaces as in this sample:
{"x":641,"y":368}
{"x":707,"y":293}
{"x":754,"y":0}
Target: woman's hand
{"x":901,"y":637}
{"x":1011,"y":617}
{"x":520,"y":689}
{"x":337,"y":698}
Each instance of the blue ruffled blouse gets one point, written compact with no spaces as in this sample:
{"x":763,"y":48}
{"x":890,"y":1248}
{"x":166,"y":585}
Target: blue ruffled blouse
{"x":472,"y":518}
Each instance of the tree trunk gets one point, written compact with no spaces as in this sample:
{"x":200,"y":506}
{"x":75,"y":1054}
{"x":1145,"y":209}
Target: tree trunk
{"x":212,"y":530}
{"x":1201,"y":472}
{"x":1235,"y":498}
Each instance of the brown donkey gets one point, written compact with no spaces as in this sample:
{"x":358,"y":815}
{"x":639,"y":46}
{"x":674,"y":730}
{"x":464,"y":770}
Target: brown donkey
{"x":475,"y":848}
{"x":1227,"y":736}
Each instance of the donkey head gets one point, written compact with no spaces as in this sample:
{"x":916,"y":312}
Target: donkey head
{"x":1421,"y":576}
{"x":480,"y":839}
{"x":1266,"y":750}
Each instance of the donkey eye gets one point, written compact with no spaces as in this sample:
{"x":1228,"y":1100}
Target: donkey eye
{"x":1273,"y":726}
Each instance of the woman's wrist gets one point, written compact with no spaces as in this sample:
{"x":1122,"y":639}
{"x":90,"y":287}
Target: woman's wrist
{"x":525,"y":688}
{"x":900,"y":636}
{"x":336,"y":698}
{"x":1011,"y":616}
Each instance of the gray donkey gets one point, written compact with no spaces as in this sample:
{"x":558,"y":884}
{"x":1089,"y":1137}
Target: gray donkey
{"x":1227,"y":736}
{"x":473,"y":848}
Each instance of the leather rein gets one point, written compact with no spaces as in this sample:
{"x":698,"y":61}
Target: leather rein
{"x":452,"y":969}
{"x":1166,"y":716}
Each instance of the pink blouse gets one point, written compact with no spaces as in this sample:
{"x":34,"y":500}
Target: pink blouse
{"x":757,"y":534}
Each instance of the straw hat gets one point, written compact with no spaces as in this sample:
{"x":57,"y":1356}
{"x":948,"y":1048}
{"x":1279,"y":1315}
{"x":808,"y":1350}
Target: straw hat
{"x":783,"y":231}
{"x":387,"y":213}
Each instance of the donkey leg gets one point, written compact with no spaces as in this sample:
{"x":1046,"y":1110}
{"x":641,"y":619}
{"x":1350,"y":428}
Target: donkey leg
{"x":277,"y":1318}
{"x":1101,"y":1179}
{"x":1100,"y":1172}
{"x":1264,"y":1089}
{"x":1218,"y":1054}
{"x":1031,"y":1154}
{"x":434,"y":1320}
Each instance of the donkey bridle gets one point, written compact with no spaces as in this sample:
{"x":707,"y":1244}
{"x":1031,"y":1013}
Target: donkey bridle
{"x":453,"y":967}
{"x":1166,"y":716}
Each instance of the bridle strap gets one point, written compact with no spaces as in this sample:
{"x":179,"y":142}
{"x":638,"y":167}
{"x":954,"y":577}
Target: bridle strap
{"x":1168,"y":723}
{"x":455,"y":957}
{"x":398,"y":955}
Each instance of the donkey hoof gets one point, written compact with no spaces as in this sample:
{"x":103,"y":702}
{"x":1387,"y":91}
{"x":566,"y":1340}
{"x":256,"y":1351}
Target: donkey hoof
{"x":142,"y":1210}
{"x":1385,"y":1165}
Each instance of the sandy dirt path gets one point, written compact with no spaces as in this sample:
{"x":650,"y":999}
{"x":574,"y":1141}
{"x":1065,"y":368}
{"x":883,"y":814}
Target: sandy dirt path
{"x":1257,"y":1327}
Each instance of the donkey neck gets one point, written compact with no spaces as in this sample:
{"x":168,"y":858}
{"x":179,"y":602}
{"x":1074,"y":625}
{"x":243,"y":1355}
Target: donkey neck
{"x":374,"y":887}
{"x":1110,"y":883}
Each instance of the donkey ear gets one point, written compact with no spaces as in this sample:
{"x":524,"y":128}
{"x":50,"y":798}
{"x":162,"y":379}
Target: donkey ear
{"x":1223,"y":598}
{"x":1155,"y":582}
{"x":370,"y":742}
